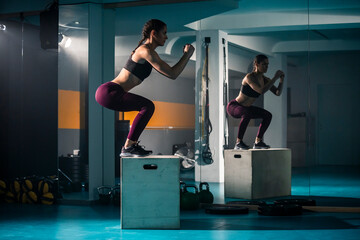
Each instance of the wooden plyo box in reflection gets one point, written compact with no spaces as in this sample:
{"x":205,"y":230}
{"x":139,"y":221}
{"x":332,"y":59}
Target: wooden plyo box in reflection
{"x":150,"y":196}
{"x":255,"y":174}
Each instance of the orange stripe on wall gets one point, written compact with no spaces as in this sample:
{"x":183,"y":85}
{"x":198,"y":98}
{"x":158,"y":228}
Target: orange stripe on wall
{"x":175,"y":115}
{"x":166,"y":115}
{"x":69,"y":114}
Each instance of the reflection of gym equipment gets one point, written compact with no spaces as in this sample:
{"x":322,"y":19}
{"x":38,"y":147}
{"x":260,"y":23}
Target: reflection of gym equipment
{"x":186,"y":155}
{"x":252,"y":202}
{"x":206,"y":126}
{"x":280,"y":210}
{"x":65,"y":186}
{"x":226,"y":210}
{"x":225,"y":99}
{"x":205,"y":196}
{"x":285,"y":207}
{"x":280,"y":207}
{"x":108,"y":194}
{"x":74,"y":174}
{"x":301,"y":202}
{"x":263,"y":209}
{"x":257,"y":174}
{"x":189,"y":200}
{"x":104,"y":194}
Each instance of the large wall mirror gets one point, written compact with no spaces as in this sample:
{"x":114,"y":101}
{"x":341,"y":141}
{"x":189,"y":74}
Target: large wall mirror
{"x":73,"y":161}
{"x":315,"y":45}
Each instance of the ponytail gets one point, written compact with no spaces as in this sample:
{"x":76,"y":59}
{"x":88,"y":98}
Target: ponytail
{"x":140,"y":42}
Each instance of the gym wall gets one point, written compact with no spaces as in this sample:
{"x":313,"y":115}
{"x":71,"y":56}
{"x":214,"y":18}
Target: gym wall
{"x":28,"y":103}
{"x":73,"y":96}
{"x":329,"y":70}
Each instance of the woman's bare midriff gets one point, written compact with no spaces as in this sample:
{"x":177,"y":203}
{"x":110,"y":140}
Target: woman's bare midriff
{"x":126,"y":80}
{"x":244,"y":100}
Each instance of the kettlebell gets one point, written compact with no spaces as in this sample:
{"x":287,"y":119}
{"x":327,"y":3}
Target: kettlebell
{"x":104,"y":194}
{"x":189,"y":200}
{"x":205,"y":196}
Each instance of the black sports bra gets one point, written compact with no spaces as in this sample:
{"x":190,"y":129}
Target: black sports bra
{"x":140,"y":70}
{"x":248,"y":91}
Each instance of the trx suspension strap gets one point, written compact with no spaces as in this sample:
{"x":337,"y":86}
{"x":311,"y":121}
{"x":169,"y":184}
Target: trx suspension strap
{"x":206,"y":124}
{"x":225,"y":101}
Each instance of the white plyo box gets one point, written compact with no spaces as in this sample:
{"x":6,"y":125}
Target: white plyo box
{"x":255,"y":174}
{"x":150,"y":195}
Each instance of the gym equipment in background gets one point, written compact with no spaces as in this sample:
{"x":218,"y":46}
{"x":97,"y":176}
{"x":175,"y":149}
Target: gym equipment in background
{"x":186,"y":155}
{"x":301,"y":202}
{"x":225,"y":99}
{"x":74,"y":173}
{"x":226,"y":210}
{"x":280,"y":210}
{"x":251,"y":202}
{"x":104,"y":194}
{"x":189,"y":200}
{"x":49,"y":25}
{"x":205,"y":196}
{"x":31,"y":189}
{"x":257,"y":174}
{"x":206,"y":126}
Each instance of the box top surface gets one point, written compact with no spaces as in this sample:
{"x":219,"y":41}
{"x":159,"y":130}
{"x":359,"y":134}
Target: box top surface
{"x":254,"y":150}
{"x":152,"y":157}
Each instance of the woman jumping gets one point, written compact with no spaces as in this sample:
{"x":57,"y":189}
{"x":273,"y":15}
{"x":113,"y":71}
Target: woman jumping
{"x":253,"y":85}
{"x":115,"y":94}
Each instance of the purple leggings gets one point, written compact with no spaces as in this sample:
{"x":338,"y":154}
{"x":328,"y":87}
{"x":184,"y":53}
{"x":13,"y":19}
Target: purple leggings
{"x":246,"y":113}
{"x":112,"y":96}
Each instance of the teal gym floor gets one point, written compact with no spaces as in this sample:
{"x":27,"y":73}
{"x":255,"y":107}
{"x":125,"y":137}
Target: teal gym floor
{"x":24,"y":221}
{"x":103,"y":222}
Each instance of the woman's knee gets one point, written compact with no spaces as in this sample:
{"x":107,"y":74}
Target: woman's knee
{"x":268,"y":115}
{"x":149,"y":107}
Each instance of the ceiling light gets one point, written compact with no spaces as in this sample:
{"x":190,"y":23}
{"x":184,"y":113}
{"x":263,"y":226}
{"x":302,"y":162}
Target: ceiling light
{"x":65,"y":41}
{"x":68,"y":42}
{"x":2,"y":27}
